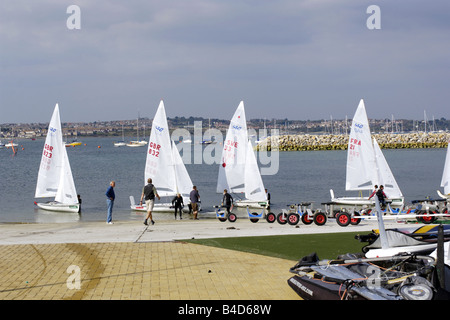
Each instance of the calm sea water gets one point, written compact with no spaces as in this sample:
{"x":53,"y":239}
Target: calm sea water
{"x":302,"y":176}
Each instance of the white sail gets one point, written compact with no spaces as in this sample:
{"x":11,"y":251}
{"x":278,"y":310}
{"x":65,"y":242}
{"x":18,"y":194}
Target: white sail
{"x":361,"y":167}
{"x":232,"y":167}
{"x":254,"y":186}
{"x":55,"y":175}
{"x":385,"y":176}
{"x":183,"y":183}
{"x":445,"y":182}
{"x":66,"y":193}
{"x":159,"y":164}
{"x":51,"y":161}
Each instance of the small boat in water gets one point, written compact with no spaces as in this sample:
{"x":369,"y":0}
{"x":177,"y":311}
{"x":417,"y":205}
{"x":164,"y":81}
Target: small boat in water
{"x":55,"y":175}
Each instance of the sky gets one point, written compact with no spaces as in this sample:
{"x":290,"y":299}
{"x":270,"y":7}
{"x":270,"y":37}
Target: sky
{"x":294,"y":59}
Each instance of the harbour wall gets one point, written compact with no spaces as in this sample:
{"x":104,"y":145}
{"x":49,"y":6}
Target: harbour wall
{"x":308,"y":142}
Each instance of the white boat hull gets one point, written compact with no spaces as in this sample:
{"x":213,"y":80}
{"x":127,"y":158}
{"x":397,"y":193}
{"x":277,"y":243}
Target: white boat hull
{"x":443,"y":196}
{"x":164,"y":207}
{"x":160,"y":207}
{"x":395,"y":203}
{"x":120,"y":144}
{"x":59,"y":207}
{"x":250,"y":203}
{"x":375,"y":253}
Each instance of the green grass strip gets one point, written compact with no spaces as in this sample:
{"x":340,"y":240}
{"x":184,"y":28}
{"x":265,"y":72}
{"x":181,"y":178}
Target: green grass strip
{"x":290,"y":247}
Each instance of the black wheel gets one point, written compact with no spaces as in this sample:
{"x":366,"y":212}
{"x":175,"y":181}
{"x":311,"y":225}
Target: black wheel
{"x":355,"y":221}
{"x":343,"y":219}
{"x":232,"y":217}
{"x":271,"y":217}
{"x":254,"y":220}
{"x":222,"y":219}
{"x":428,"y":218}
{"x":320,"y":218}
{"x":281,"y":218}
{"x":306,"y":219}
{"x":293,"y":219}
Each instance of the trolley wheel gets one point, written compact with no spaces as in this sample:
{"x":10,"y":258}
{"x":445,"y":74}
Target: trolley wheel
{"x":271,"y":217}
{"x":222,"y":219}
{"x":320,"y":218}
{"x":429,"y":218}
{"x":355,"y":221}
{"x":254,"y":220}
{"x":293,"y":219}
{"x":306,"y":219}
{"x":232,"y":217}
{"x":281,"y":219}
{"x":343,"y":219}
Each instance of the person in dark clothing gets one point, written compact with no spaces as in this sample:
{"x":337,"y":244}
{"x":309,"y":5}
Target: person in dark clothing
{"x":268,"y":199}
{"x":194,"y":196}
{"x":374,"y":192}
{"x":382,"y":197}
{"x":177,"y":202}
{"x":227,"y":200}
{"x":148,"y":193}
{"x":110,"y":197}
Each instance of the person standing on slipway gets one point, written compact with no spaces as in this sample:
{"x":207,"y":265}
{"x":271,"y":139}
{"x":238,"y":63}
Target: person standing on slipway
{"x":194,"y":196}
{"x":110,"y":197}
{"x":149,"y":192}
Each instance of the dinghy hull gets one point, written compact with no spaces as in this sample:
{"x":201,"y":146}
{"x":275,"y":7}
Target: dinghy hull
{"x":59,"y":207}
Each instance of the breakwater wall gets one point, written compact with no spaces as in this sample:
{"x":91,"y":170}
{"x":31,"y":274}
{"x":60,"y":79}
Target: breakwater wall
{"x":307,"y":142}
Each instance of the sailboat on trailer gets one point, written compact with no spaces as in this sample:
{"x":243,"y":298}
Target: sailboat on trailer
{"x":55,"y":175}
{"x":164,"y":166}
{"x":366,"y":166}
{"x":238,"y":171}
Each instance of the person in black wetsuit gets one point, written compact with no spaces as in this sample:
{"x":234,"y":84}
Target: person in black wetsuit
{"x":382,"y":197}
{"x":177,"y":202}
{"x":227,"y":200}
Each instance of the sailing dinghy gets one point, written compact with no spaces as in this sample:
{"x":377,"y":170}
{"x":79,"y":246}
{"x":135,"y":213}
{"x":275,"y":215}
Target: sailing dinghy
{"x":238,"y":171}
{"x":164,"y":166}
{"x":366,"y":166}
{"x":445,"y":182}
{"x":55,"y":175}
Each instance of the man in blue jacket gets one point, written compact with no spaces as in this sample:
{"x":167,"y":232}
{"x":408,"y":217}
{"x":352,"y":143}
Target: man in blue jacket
{"x":110,"y":196}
